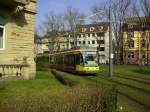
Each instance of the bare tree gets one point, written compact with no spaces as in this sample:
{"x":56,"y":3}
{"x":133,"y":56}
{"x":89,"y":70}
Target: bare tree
{"x":73,"y":16}
{"x":53,"y":24}
{"x":119,"y":9}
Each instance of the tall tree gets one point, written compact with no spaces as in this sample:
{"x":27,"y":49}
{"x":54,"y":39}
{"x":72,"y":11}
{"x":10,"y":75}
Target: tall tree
{"x":53,"y":24}
{"x":73,"y":17}
{"x":119,"y":9}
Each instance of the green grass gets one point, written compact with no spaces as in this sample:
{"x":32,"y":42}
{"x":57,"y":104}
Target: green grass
{"x":43,"y":82}
{"x":131,"y":85}
{"x":132,"y":81}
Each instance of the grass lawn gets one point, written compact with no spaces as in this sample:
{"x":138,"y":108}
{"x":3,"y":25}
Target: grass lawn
{"x":133,"y":84}
{"x":43,"y":82}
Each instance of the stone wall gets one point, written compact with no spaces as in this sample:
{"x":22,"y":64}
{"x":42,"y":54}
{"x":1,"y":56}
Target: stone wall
{"x":19,"y":40}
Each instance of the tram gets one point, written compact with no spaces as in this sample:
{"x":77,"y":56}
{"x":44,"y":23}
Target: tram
{"x":80,"y":60}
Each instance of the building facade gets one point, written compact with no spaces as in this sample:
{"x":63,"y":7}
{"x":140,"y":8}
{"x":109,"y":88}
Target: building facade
{"x":93,"y":35}
{"x":17,"y":38}
{"x":136,"y":40}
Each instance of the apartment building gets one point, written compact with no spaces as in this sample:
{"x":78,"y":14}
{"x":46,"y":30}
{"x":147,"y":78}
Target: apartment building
{"x":92,"y":35}
{"x":136,"y":40}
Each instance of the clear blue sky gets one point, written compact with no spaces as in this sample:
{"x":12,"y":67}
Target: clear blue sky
{"x":59,"y":6}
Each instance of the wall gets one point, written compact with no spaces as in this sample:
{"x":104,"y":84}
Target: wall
{"x":19,"y":40}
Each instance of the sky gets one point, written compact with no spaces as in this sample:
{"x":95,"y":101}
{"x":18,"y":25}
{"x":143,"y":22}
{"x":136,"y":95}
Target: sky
{"x":59,"y":6}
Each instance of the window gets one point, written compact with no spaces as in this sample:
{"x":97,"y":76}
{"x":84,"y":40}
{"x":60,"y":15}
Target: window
{"x":83,"y":42}
{"x":143,"y":54}
{"x":131,"y":55}
{"x":130,"y":26}
{"x":100,"y":34}
{"x":143,"y":35}
{"x":2,"y":35}
{"x":100,"y":41}
{"x":102,"y":48}
{"x":131,"y":43}
{"x":130,"y":35}
{"x":79,"y":42}
{"x":143,"y":43}
{"x":2,"y":39}
{"x":93,"y":35}
{"x":88,"y":42}
{"x":92,"y":29}
{"x":93,"y":41}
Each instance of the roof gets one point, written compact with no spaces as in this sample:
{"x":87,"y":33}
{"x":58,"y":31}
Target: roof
{"x":136,"y":23}
{"x":137,"y":19}
{"x":98,"y":27}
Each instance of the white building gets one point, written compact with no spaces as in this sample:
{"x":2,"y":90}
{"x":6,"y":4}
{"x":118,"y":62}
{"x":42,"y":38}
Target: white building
{"x":93,"y":35}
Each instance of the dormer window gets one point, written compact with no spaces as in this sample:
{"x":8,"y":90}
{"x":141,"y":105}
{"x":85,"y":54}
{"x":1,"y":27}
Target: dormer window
{"x":130,"y":26}
{"x":101,"y":28}
{"x":92,"y":29}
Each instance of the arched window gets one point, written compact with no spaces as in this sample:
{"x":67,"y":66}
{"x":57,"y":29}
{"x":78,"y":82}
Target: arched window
{"x":2,"y":33}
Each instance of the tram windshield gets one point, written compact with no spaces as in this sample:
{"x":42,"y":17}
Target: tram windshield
{"x":90,"y":58}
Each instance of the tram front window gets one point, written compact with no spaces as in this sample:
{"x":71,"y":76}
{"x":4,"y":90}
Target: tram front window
{"x":90,"y":59}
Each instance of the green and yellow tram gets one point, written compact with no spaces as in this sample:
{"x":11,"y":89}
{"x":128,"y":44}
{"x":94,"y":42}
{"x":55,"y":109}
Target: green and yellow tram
{"x":81,"y":60}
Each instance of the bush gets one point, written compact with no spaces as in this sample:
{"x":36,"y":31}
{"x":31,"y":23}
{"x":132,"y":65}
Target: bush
{"x":64,"y":80}
{"x":78,"y":99}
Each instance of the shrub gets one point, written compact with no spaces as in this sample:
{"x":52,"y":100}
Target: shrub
{"x":78,"y":99}
{"x":64,"y":80}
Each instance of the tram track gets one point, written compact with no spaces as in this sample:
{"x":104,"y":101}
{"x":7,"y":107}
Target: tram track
{"x":133,"y":93}
{"x":130,"y":97}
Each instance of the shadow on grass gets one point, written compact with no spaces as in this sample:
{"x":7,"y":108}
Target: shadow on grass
{"x":144,"y":72}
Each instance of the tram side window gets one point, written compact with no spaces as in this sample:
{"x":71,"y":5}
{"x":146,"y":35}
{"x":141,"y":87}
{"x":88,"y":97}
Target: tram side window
{"x":69,"y":59}
{"x":72,"y":59}
{"x":79,"y":59}
{"x":65,"y":59}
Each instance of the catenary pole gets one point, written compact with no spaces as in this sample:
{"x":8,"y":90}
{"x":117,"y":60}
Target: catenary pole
{"x":110,"y":45}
